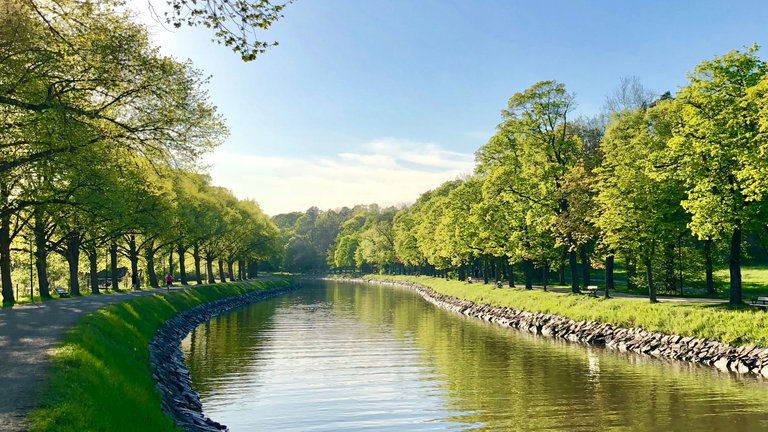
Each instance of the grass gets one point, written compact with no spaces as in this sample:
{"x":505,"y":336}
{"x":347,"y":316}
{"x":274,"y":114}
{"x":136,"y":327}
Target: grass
{"x":754,"y":280}
{"x":100,"y":376}
{"x":721,"y":322}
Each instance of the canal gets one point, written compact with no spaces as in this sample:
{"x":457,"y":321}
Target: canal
{"x":337,"y":356}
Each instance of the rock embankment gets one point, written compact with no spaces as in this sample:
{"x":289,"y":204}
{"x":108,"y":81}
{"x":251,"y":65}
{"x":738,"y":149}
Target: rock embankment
{"x":178,"y":400}
{"x":742,"y":360}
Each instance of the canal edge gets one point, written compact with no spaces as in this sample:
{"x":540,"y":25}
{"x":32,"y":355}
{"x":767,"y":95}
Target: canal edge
{"x":742,"y":360}
{"x":178,"y":399}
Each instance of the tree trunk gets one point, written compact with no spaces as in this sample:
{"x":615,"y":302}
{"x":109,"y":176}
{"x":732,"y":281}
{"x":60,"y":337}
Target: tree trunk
{"x":181,"y":251}
{"x":734,"y":264}
{"x":670,"y":281}
{"x":242,"y":269}
{"x":196,"y":256}
{"x":113,"y":265}
{"x":231,"y":270}
{"x":5,"y":250}
{"x":561,"y":268}
{"x":485,"y":270}
{"x":93,"y":269}
{"x":133,"y":256}
{"x":528,"y":270}
{"x":649,"y":277}
{"x":221,"y":271}
{"x":574,"y":271}
{"x":170,"y":262}
{"x":149,"y":256}
{"x":608,"y":275}
{"x":73,"y":261}
{"x":256,"y":268}
{"x":41,"y":254}
{"x":708,"y":266}
{"x":585,"y":266}
{"x":209,"y":268}
{"x":680,"y":263}
{"x":631,"y":273}
{"x":512,"y":275}
{"x":545,"y":275}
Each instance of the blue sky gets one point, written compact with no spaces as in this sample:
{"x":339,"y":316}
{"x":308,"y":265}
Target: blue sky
{"x":377,"y":101}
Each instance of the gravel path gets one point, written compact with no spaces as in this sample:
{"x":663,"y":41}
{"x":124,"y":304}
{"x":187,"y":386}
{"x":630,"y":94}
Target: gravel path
{"x":27,"y":333}
{"x":659,"y":297}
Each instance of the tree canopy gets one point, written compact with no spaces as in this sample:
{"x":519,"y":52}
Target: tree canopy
{"x":101,"y":139}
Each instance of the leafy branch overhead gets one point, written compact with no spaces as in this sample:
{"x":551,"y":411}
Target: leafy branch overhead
{"x":236,"y":24}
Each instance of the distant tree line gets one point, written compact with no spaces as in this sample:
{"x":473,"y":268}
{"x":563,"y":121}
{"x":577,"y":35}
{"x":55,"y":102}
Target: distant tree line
{"x":664,"y":184}
{"x":101,"y":137}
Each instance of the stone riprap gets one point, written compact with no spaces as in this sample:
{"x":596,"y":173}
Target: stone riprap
{"x":742,"y":359}
{"x":177,"y":398}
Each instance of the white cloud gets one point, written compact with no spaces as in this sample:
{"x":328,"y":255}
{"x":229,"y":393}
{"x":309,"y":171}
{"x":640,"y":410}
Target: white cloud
{"x":385,"y":171}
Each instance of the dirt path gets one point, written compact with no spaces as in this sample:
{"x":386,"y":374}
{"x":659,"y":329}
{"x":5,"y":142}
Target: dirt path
{"x":27,"y":332}
{"x":660,"y":298}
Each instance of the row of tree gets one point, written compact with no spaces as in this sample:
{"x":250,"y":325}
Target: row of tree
{"x":665,"y":183}
{"x":100,"y":137}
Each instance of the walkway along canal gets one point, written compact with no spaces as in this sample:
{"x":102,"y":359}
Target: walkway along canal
{"x":343,"y":356}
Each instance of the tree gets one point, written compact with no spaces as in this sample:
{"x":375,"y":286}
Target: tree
{"x":343,"y":251}
{"x":78,"y":78}
{"x":638,"y":209}
{"x":458,"y":231}
{"x":526,"y":164}
{"x":428,"y":218}
{"x":630,"y":95}
{"x":376,"y":246}
{"x":235,"y":24}
{"x":716,"y":151}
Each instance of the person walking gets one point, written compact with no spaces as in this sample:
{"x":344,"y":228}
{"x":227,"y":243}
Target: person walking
{"x":168,"y":281}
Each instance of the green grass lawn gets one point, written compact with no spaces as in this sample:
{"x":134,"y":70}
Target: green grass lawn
{"x":100,"y":375}
{"x":721,"y":322}
{"x":754,"y":281}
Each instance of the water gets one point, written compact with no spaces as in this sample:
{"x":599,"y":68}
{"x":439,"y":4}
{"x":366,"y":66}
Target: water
{"x":340,"y":356}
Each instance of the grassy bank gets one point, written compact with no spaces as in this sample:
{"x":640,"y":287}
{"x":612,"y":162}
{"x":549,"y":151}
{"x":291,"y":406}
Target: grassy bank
{"x":721,"y":322}
{"x":100,"y":377}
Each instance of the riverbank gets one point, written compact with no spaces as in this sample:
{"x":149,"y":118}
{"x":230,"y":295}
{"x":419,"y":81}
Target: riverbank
{"x":178,"y":399}
{"x":100,"y":376}
{"x":729,"y":339}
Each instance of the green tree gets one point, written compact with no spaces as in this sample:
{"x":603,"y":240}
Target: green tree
{"x":638,"y":210}
{"x":716,"y":151}
{"x":537,"y":137}
{"x":376,"y":239}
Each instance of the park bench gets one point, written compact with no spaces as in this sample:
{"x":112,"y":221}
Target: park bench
{"x":591,"y":290}
{"x":62,"y":292}
{"x":760,"y":302}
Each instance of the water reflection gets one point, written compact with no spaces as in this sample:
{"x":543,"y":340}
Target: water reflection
{"x":338,"y":356}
